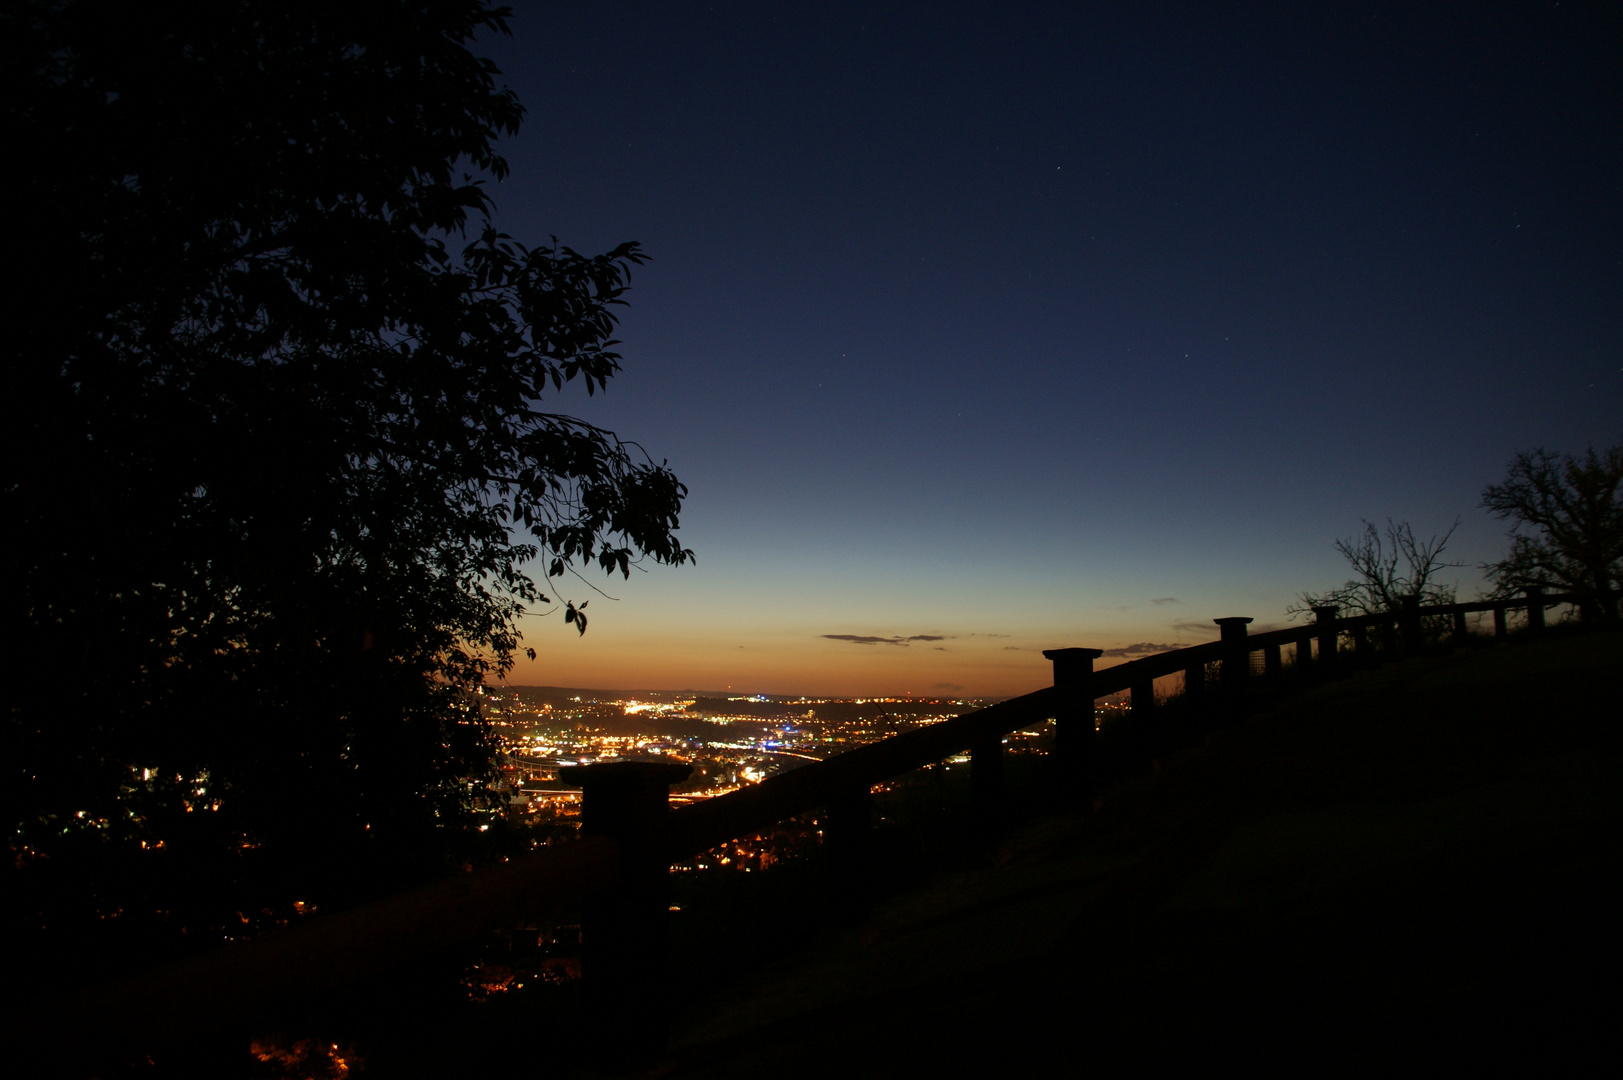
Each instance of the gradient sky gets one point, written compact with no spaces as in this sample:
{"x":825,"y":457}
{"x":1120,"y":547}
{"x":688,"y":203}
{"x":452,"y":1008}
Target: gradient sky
{"x":1019,"y":326}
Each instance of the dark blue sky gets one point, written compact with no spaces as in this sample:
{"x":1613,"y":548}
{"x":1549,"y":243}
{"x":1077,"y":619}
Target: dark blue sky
{"x":998,"y":323}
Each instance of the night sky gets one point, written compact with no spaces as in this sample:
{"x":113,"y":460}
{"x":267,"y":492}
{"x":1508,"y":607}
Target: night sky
{"x":983,"y":329}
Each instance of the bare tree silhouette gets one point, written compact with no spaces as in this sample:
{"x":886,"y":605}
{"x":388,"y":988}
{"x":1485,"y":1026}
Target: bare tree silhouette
{"x":1566,"y":527}
{"x":1387,"y":566}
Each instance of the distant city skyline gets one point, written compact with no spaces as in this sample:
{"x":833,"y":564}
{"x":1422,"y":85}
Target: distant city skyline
{"x":1031,"y":326}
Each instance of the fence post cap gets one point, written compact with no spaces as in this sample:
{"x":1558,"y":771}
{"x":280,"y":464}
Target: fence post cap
{"x":1072,"y":666}
{"x":1073,"y":654}
{"x":627,"y":773}
{"x":1325,"y":612}
{"x":1234,"y":620}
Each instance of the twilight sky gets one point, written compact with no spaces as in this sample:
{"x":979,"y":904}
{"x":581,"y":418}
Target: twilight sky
{"x":1002,"y":327}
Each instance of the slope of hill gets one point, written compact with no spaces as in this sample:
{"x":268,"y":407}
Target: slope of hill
{"x":1418,"y":862}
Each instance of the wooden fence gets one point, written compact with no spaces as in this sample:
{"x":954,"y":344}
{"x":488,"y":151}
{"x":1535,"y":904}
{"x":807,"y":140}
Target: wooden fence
{"x":630,"y":836}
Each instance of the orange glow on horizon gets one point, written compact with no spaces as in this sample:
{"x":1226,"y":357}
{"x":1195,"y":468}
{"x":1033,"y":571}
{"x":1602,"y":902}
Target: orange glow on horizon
{"x":619,"y":661}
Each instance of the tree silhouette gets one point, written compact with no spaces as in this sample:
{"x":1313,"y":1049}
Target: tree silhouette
{"x":1385,"y":570}
{"x":1566,"y":527}
{"x":279,"y":448}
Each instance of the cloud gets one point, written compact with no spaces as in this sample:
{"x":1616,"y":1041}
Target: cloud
{"x":870,"y":639}
{"x":1166,"y":600}
{"x":1013,"y":648}
{"x":1143,"y":648}
{"x":1198,"y":626}
{"x":950,"y":687}
{"x":940,"y":648}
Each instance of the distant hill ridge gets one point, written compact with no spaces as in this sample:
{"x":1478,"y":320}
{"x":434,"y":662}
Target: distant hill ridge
{"x":560,"y":695}
{"x":836,"y":710}
{"x":721,"y":702}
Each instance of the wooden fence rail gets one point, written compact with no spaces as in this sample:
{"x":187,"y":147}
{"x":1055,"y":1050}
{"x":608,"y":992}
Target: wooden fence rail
{"x":630,"y":836}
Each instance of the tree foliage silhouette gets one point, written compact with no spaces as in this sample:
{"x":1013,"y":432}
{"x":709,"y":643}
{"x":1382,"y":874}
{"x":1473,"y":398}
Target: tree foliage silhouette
{"x":1566,"y":527}
{"x":279,"y":448}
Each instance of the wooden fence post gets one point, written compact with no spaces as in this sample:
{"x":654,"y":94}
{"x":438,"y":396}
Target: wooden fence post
{"x":1146,"y":724}
{"x":625,"y":929}
{"x":1273,"y":664}
{"x":1324,"y":627}
{"x":1414,"y":635}
{"x":1462,"y":629}
{"x":1387,"y":644}
{"x":1535,"y":609}
{"x":1500,"y":623}
{"x":1365,"y":654}
{"x":1236,"y":665}
{"x":1075,"y":747}
{"x":1304,"y":656}
{"x":986,"y":778}
{"x":1194,"y":688}
{"x":849,"y":838}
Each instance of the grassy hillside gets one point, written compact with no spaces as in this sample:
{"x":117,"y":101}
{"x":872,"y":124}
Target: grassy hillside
{"x":1417,"y":861}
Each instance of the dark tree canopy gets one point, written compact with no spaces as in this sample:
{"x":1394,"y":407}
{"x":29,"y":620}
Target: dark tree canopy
{"x":278,"y":448}
{"x":1566,"y":519}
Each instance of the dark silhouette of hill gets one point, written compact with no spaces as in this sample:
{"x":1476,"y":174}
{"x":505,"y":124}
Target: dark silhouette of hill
{"x":564,"y":696}
{"x":1413,"y":865}
{"x":765,"y":707}
{"x":838,"y":711}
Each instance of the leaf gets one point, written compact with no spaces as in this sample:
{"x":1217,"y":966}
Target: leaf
{"x":572,"y":614}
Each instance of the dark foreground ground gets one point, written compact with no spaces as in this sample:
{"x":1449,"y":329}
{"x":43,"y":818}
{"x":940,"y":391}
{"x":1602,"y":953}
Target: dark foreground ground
{"x":1418,"y":866}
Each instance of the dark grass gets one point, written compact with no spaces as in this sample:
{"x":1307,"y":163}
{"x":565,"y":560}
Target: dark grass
{"x":1416,"y":865}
